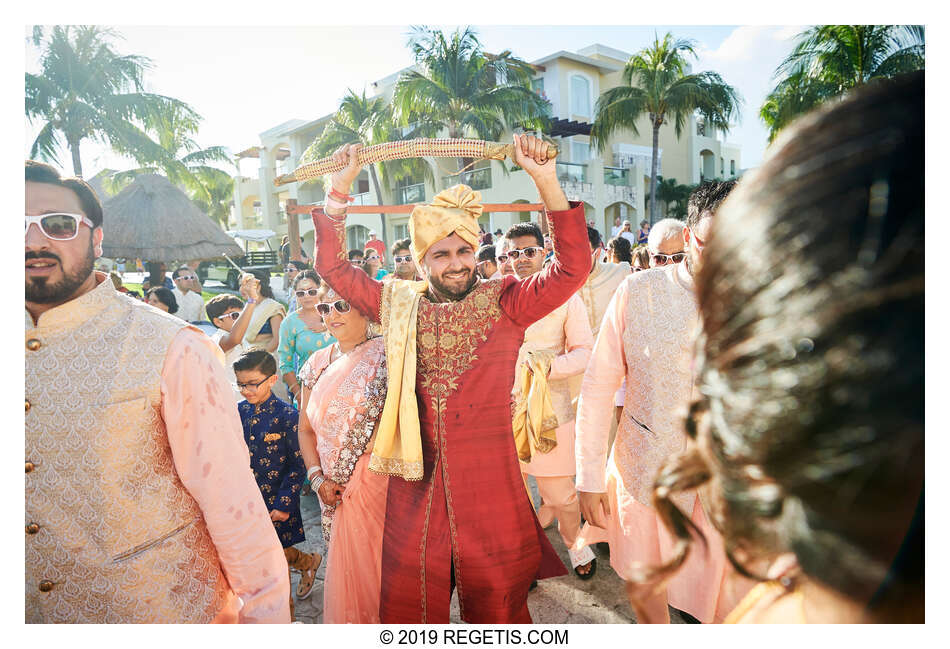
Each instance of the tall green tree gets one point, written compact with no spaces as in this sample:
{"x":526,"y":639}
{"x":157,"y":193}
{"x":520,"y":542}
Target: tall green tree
{"x":217,"y":195}
{"x":655,"y":83}
{"x":830,"y":60}
{"x":674,"y":195}
{"x":368,"y":121}
{"x":87,"y":91}
{"x":461,"y":90}
{"x":184,"y":162}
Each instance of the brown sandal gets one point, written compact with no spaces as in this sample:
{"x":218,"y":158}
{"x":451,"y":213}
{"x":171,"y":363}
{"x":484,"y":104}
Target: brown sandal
{"x":307,"y":577}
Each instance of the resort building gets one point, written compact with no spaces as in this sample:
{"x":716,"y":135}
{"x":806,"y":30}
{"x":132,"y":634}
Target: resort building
{"x":613,"y":184}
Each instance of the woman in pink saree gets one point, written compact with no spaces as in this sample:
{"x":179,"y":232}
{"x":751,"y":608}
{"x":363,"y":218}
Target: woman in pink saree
{"x":343,"y":388}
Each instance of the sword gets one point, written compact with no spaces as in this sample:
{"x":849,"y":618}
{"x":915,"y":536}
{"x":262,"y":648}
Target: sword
{"x":402,"y":149}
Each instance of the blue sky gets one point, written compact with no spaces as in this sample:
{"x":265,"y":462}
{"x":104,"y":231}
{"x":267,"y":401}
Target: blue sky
{"x":244,"y":80}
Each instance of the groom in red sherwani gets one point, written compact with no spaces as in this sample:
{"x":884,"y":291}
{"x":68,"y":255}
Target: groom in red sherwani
{"x":467,"y":523}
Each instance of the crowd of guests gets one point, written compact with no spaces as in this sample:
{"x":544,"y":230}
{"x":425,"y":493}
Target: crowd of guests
{"x":799,"y":409}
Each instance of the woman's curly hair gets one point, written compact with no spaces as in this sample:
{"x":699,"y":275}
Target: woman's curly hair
{"x":810,"y":366}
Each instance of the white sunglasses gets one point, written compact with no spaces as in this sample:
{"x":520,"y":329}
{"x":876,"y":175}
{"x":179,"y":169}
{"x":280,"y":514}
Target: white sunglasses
{"x":59,"y":226}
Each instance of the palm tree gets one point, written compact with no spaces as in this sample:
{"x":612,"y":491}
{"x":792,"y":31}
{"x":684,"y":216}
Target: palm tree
{"x":656,"y":84}
{"x":829,"y":60}
{"x":674,"y":195}
{"x":218,"y":194}
{"x":368,"y":121}
{"x":88,"y":91}
{"x":464,"y":91}
{"x":185,"y":163}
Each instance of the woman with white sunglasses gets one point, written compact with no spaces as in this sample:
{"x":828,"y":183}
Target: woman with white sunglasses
{"x":302,"y":332}
{"x":344,"y":388}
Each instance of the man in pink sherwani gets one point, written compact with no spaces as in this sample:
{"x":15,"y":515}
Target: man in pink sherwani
{"x":647,"y":337}
{"x":564,"y":334}
{"x":140,"y":502}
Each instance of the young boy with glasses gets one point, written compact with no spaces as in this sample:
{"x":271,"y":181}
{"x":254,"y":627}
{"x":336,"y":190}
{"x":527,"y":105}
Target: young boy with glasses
{"x":270,"y":431}
{"x":231,"y":316}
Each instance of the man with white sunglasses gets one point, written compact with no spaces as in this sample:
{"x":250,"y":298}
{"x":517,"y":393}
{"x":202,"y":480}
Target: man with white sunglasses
{"x":140,"y":503}
{"x":191,"y":308}
{"x":665,"y":243}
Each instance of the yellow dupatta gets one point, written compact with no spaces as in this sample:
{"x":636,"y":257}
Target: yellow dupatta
{"x":533,"y":419}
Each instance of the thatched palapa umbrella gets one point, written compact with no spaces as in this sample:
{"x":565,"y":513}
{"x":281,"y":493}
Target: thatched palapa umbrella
{"x":154,"y":220}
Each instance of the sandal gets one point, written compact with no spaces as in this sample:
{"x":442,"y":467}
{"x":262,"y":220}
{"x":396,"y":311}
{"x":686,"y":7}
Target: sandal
{"x":583,"y":557}
{"x":307,"y":577}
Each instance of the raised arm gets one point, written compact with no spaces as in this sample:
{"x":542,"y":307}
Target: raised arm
{"x":330,"y":261}
{"x":530,"y":300}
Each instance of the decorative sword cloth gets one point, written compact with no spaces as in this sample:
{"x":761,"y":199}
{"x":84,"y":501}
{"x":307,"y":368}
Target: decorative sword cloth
{"x":403,"y":149}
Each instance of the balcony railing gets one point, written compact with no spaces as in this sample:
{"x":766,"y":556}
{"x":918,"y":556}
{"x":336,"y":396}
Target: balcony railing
{"x":571,"y":172}
{"x":411,"y":194}
{"x":616,"y":176}
{"x":360,"y":199}
{"x":476,"y":179}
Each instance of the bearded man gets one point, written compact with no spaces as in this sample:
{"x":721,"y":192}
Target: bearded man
{"x":140,"y":502}
{"x":460,"y":517}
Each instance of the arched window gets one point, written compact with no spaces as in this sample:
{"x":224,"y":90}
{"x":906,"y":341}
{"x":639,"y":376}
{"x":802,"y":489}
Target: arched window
{"x":580,"y":96}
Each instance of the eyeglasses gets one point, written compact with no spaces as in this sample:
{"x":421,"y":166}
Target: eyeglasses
{"x":529,"y":253}
{"x":186,"y":277}
{"x":252,"y":386}
{"x":402,"y":259}
{"x":312,"y":292}
{"x":485,"y":261}
{"x":356,"y":262}
{"x":502,"y":259}
{"x":60,"y":226}
{"x":291,"y":269}
{"x":663,"y":260}
{"x":369,"y":259}
{"x":341,"y":306}
{"x":234,"y":315}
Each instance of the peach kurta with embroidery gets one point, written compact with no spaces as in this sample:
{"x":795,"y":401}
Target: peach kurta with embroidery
{"x":137,"y":446}
{"x":646,"y":337}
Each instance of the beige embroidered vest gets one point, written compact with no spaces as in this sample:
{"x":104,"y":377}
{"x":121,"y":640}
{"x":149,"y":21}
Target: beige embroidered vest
{"x":548,"y":333}
{"x":112,"y":535}
{"x":661,"y":320}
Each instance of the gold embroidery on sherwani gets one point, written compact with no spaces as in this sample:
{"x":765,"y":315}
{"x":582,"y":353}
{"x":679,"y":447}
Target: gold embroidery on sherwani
{"x":448,"y":335}
{"x":120,"y":536}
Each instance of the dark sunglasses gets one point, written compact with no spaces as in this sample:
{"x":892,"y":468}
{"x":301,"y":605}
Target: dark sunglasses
{"x":402,"y":259}
{"x":312,"y":292}
{"x":502,"y":259}
{"x":529,"y":253}
{"x":356,"y":262}
{"x":234,"y":315}
{"x":662,"y":260}
{"x":341,"y":306}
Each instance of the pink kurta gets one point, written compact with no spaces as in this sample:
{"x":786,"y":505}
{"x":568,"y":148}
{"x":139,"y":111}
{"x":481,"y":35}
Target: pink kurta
{"x":566,"y":332}
{"x":207,"y":441}
{"x":354,"y":553}
{"x":647,"y":337}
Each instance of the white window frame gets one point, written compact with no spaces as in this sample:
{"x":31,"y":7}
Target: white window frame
{"x":590,"y":93}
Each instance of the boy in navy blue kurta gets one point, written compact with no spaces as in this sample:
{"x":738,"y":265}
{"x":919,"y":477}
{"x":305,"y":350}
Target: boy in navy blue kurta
{"x":270,"y":431}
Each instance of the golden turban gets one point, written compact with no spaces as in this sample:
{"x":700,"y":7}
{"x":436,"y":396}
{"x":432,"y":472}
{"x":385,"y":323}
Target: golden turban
{"x":454,"y":210}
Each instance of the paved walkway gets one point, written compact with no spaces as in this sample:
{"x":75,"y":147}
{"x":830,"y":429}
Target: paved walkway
{"x":562,"y":600}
